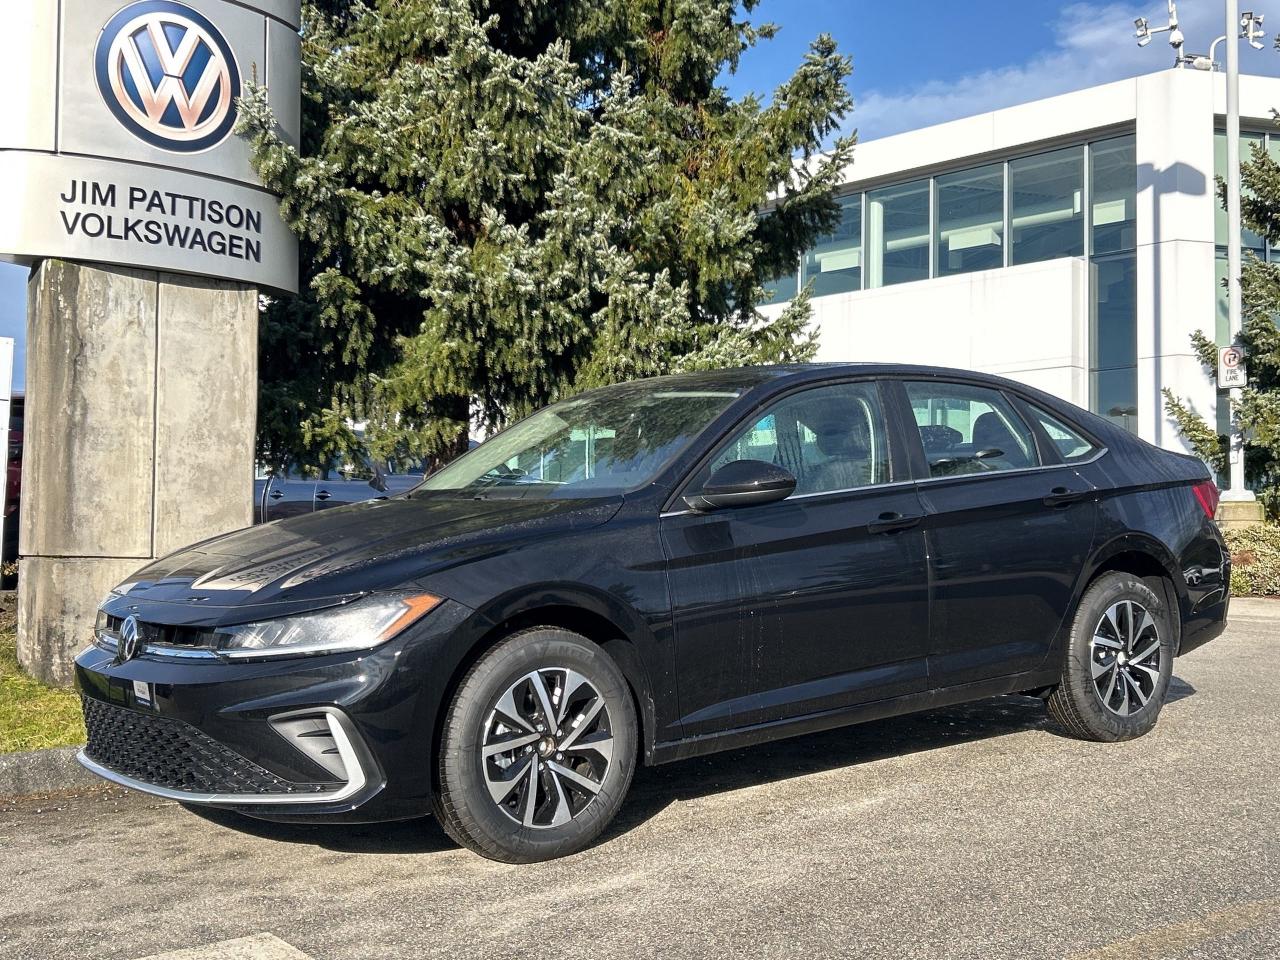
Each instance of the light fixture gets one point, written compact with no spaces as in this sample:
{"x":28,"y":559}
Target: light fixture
{"x":1251,"y":28}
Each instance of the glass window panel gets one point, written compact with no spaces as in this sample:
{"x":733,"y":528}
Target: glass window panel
{"x":834,"y":264}
{"x":1046,"y":206}
{"x":1247,"y":237}
{"x":1072,"y":447}
{"x":1114,"y":321}
{"x":968,"y":429}
{"x":1115,"y":395}
{"x":971,"y":220}
{"x":1222,"y":327}
{"x":830,"y":438}
{"x":781,"y":289}
{"x":1113,"y":188}
{"x":898,"y":234}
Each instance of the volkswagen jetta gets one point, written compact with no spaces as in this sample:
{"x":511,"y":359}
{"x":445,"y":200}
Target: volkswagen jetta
{"x":652,"y":571}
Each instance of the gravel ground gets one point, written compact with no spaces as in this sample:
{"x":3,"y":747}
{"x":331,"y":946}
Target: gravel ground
{"x":968,"y":832}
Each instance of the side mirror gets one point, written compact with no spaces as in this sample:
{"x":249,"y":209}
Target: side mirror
{"x":743,"y":483}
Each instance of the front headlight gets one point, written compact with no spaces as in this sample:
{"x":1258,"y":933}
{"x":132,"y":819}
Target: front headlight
{"x":360,"y":625}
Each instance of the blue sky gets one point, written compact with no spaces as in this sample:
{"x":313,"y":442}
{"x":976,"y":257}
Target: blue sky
{"x":933,"y":60}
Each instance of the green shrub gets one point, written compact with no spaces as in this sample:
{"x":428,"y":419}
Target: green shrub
{"x":1255,"y":561}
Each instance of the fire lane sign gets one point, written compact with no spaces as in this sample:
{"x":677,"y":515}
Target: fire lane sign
{"x":1232,"y":371}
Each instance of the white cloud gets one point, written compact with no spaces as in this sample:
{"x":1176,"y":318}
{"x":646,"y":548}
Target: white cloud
{"x":1093,"y":43}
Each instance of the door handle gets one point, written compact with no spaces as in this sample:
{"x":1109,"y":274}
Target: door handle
{"x":323,"y":495}
{"x":893,"y":522}
{"x":276,"y":494}
{"x":1064,"y":496}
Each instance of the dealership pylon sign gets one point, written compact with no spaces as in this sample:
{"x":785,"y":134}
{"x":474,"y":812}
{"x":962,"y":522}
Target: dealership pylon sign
{"x":117,"y":142}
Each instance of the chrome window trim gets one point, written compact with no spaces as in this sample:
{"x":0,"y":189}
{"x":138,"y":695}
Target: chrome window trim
{"x":344,"y":736}
{"x":1039,"y":468}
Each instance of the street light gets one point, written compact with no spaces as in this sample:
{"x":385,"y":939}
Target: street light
{"x":1244,"y":27}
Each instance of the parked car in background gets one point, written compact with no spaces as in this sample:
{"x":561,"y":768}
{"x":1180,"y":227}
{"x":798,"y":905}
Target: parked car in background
{"x":291,"y":494}
{"x":653,"y":571}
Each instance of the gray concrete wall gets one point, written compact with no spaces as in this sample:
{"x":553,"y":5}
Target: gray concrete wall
{"x":139,"y":426}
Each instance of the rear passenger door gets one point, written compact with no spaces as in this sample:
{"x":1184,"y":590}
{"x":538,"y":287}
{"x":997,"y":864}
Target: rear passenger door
{"x":1008,"y":525}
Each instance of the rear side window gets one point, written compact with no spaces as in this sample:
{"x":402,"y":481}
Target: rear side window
{"x":1070,"y":444}
{"x":966,"y":429}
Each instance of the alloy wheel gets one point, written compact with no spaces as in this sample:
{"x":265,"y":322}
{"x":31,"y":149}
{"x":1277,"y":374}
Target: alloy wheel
{"x":1125,"y":657}
{"x":546,"y":747}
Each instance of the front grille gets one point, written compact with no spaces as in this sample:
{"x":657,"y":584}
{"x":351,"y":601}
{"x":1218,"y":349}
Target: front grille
{"x":159,"y":634}
{"x":165,"y":752}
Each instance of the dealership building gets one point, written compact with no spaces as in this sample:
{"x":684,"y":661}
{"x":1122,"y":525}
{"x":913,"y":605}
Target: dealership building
{"x":1073,"y":243}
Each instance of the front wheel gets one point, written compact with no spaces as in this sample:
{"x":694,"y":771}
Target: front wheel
{"x":538,"y":748}
{"x":1119,"y":660}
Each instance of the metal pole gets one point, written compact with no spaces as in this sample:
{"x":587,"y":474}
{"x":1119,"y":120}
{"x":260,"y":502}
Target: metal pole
{"x":1237,"y":490}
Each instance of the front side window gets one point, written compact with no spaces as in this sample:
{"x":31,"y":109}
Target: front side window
{"x":1072,"y":447}
{"x":966,"y":429}
{"x":830,"y":438}
{"x":598,"y":444}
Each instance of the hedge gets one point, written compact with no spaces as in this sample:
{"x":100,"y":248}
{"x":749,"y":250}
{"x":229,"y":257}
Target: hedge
{"x":1255,"y":561}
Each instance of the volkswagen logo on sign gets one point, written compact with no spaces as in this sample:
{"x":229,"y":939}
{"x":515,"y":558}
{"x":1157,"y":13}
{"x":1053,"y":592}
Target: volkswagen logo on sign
{"x":168,"y":75}
{"x":129,"y":643}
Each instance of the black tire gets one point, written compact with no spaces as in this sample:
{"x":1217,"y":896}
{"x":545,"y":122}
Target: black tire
{"x":1100,"y":696}
{"x":507,"y":830}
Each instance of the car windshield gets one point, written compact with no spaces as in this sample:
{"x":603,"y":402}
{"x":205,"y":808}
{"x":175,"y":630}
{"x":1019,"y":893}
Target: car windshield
{"x":597,"y":444}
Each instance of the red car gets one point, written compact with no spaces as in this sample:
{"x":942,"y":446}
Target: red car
{"x":13,"y":488}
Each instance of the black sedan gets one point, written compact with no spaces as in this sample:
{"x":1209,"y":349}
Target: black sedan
{"x":652,"y":571}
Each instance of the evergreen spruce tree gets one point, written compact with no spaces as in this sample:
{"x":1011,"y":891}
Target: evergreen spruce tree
{"x":502,"y":202}
{"x":1258,"y":412}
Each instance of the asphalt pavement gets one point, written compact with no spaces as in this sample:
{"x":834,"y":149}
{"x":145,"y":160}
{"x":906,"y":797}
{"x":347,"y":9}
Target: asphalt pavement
{"x":970,"y":832}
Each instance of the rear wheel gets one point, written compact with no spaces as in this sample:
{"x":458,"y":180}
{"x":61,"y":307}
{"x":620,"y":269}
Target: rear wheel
{"x":1118,"y":662}
{"x":538,"y":748}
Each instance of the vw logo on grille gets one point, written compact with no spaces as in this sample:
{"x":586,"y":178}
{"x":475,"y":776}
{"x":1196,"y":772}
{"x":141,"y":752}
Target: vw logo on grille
{"x":130,"y":640}
{"x":168,"y":75}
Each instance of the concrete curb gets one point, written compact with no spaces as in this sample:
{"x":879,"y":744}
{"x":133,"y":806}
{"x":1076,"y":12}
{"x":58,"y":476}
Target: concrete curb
{"x":1254,"y":608}
{"x":42,"y":771}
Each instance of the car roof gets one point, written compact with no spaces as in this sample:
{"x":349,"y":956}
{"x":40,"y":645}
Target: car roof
{"x":746,"y":378}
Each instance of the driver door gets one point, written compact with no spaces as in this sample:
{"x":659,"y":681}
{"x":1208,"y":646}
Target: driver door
{"x":812,"y":603}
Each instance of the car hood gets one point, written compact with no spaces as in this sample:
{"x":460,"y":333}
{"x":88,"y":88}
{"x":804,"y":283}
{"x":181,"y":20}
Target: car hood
{"x":340,"y":553}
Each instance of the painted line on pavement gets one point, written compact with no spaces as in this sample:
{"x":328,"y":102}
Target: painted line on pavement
{"x":262,"y":946}
{"x":1165,"y":941}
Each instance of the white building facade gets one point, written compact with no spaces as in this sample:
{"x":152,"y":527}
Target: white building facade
{"x":1073,"y":243}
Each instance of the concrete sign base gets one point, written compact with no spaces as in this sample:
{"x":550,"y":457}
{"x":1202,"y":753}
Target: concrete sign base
{"x":141,"y":407}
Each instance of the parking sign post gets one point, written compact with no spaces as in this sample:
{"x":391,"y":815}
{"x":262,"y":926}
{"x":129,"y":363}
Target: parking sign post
{"x":1232,"y":371}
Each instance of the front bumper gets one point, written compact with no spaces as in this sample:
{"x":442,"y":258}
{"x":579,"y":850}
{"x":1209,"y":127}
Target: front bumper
{"x":343,"y":735}
{"x":171,"y":759}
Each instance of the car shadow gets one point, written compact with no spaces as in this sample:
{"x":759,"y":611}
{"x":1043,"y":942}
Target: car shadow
{"x":656,"y":788}
{"x":420,"y":835}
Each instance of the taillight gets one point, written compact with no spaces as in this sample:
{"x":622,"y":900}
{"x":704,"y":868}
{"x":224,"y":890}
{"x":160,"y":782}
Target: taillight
{"x":1206,"y":492}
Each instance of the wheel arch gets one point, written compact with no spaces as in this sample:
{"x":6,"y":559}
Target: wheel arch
{"x":1152,"y":562}
{"x":600,"y":619}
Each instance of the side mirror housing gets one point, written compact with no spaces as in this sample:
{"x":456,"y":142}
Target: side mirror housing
{"x":743,"y":483}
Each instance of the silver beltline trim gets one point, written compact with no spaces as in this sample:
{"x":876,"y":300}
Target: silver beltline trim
{"x":339,"y":726}
{"x":877,"y":487}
